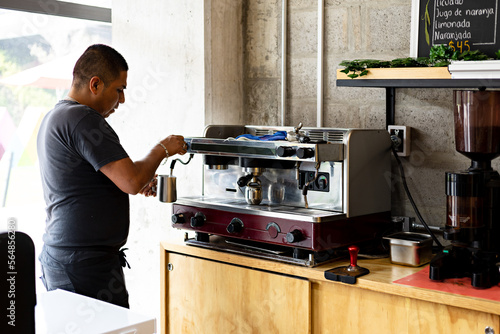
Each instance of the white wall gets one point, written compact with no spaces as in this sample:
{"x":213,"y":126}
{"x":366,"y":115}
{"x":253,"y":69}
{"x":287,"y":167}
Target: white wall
{"x":163,"y":42}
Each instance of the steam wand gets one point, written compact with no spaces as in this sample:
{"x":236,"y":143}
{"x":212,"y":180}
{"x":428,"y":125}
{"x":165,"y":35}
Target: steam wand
{"x":306,"y":186}
{"x":172,"y":164}
{"x":167,"y":183}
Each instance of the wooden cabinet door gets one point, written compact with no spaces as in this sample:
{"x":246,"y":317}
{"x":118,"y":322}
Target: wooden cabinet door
{"x":341,"y":308}
{"x":433,"y":318}
{"x":204,"y":296}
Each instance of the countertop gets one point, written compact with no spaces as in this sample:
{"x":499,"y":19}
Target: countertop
{"x":381,"y":277}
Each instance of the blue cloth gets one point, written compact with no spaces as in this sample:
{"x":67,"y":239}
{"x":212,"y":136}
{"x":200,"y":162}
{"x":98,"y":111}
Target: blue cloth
{"x":280,"y":135}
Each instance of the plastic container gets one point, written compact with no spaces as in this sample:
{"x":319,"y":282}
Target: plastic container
{"x":410,"y":249}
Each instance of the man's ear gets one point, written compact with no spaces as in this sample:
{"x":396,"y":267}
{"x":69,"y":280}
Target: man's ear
{"x":95,"y":84}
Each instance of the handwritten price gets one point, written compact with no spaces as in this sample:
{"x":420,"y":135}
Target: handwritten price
{"x":459,"y":45}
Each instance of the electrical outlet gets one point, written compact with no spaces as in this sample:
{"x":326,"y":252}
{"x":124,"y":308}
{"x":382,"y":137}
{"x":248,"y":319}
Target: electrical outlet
{"x":403,"y":133}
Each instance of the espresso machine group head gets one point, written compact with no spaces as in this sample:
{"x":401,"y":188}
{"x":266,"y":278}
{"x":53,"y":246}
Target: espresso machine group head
{"x":473,"y":195}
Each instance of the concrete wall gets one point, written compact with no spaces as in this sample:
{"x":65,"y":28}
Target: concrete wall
{"x":354,"y":29}
{"x":202,"y":62}
{"x":223,"y":62}
{"x":262,"y":59}
{"x":185,"y":71}
{"x":163,"y":42}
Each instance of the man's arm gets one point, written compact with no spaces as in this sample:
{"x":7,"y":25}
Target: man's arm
{"x":131,"y":176}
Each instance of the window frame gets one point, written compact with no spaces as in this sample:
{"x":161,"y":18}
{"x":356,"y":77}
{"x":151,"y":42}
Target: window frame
{"x":59,"y":8}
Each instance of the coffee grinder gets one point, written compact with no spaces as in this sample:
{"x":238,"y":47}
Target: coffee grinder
{"x":473,"y":195}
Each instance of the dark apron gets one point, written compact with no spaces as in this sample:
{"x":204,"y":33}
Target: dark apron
{"x":95,"y":272}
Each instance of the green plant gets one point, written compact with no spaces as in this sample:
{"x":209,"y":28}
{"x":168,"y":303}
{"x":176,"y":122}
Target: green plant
{"x":356,"y":68}
{"x":442,"y":55}
{"x":410,"y":62}
{"x":473,"y":55}
{"x":439,"y":56}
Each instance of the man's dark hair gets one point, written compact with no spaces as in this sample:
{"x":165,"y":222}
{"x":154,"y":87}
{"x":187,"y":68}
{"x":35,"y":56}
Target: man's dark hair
{"x":98,"y":60}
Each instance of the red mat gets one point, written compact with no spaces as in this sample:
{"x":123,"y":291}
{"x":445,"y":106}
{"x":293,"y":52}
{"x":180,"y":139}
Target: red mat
{"x":459,"y":286}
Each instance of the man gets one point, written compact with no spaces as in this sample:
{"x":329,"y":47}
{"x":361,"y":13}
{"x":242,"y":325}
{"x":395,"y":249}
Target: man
{"x":87,"y":177}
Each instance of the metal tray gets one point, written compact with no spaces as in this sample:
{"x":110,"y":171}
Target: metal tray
{"x":410,"y":249}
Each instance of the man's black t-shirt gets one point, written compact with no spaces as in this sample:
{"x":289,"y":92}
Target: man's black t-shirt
{"x":84,"y":207}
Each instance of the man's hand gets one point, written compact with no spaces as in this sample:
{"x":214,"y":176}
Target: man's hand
{"x":133,"y":177}
{"x":150,"y":188}
{"x":174,"y":144}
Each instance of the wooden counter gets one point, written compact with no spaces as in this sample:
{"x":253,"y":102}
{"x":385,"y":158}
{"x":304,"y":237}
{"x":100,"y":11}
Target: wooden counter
{"x":207,"y":291}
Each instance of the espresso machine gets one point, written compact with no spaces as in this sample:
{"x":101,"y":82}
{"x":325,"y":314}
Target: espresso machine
{"x":291,"y":194}
{"x":473,"y":195}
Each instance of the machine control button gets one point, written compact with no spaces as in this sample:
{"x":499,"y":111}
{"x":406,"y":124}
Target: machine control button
{"x":178,"y":218}
{"x":273,"y":229}
{"x":198,"y":220}
{"x":235,"y":226}
{"x":294,"y":236}
{"x":305,"y":153}
{"x":285,"y":151}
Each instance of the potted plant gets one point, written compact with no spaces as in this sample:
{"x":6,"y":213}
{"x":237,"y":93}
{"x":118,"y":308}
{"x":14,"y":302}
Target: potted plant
{"x":433,"y":67}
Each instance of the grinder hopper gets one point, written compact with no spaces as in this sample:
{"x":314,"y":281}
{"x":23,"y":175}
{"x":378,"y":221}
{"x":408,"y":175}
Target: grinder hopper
{"x":473,"y":195}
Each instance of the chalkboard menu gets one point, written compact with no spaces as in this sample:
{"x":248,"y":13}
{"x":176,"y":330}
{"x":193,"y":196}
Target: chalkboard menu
{"x":461,"y":24}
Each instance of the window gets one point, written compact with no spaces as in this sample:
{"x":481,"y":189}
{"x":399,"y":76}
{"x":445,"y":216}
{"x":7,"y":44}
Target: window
{"x":37,"y":55}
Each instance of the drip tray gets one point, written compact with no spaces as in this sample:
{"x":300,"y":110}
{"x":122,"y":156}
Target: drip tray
{"x":269,"y":251}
